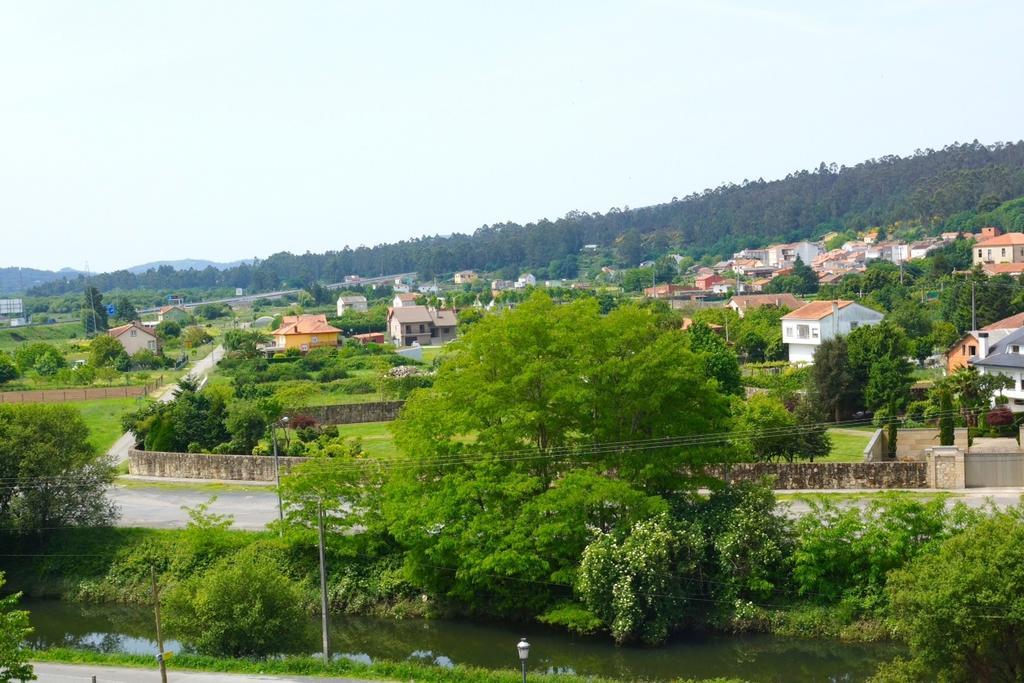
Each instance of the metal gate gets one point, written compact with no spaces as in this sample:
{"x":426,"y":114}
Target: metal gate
{"x":993,"y":469}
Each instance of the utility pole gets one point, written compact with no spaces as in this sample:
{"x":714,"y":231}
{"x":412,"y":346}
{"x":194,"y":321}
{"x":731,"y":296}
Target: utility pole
{"x":159,"y":635}
{"x":324,"y":624}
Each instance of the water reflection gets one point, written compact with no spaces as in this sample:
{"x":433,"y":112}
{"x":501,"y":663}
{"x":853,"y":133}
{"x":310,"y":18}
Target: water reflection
{"x":446,"y":643}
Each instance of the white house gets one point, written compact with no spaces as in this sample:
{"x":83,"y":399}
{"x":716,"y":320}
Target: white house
{"x":351,"y":303}
{"x":526,"y":280}
{"x":135,"y":337}
{"x":805,"y":328}
{"x":1003,"y":357}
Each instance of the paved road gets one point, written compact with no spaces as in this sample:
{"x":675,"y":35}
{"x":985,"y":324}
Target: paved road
{"x":160,"y":507}
{"x":83,"y":673}
{"x":975,"y":498}
{"x":124,"y":443}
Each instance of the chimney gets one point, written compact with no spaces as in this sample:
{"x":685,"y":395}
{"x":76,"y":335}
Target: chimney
{"x":982,"y":344}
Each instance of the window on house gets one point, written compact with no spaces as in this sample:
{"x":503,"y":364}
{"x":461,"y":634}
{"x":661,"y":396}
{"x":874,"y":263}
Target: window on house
{"x":789,"y":331}
{"x":803,"y":331}
{"x":422,"y":329}
{"x":316,"y":340}
{"x":973,"y":350}
{"x":989,"y":252}
{"x":133,"y":333}
{"x":814,"y":332}
{"x":1015,"y":348}
{"x":408,"y":329}
{"x":854,"y":324}
{"x":1002,"y":252}
{"x":979,"y":253}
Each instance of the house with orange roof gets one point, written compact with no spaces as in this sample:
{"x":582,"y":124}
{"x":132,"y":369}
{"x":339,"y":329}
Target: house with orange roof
{"x":1008,"y":248}
{"x":304,"y":332}
{"x":804,"y":329}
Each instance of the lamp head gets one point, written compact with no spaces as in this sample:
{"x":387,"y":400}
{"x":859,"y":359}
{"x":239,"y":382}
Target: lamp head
{"x":524,"y":649}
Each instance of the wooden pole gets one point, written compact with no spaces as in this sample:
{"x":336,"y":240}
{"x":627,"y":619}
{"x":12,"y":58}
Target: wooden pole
{"x":159,"y":635}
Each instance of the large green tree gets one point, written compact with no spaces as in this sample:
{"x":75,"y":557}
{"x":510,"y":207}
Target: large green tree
{"x":524,"y":398}
{"x":961,"y":607}
{"x":94,"y":313}
{"x":52,"y":473}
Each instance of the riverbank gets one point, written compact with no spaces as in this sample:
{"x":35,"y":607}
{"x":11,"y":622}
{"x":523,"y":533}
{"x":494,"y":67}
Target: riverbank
{"x":112,"y":566}
{"x":342,"y":668}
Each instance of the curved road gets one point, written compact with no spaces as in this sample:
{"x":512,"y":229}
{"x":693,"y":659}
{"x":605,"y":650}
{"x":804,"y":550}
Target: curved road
{"x":124,"y":443}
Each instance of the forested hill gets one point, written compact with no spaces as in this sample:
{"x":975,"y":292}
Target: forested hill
{"x":929,"y":187}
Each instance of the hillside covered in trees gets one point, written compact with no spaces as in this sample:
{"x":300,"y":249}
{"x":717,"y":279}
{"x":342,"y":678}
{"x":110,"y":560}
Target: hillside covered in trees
{"x":929,"y":189}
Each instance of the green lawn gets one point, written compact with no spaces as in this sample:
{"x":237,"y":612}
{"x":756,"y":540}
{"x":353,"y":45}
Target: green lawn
{"x":847,"y":445}
{"x":103,"y":417}
{"x":376,"y":437}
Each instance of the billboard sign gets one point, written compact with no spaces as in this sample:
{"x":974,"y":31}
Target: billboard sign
{"x":11,"y":307}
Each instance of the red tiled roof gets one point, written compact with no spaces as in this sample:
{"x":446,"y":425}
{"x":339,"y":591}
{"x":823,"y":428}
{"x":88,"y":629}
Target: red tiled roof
{"x":121,"y":329}
{"x":1003,"y":268}
{"x":1010,"y":239}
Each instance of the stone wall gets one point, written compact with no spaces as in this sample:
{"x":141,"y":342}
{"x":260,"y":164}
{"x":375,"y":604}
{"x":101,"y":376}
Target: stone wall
{"x":829,"y":475}
{"x":912,"y":444}
{"x":206,"y":465}
{"x":350,"y":413}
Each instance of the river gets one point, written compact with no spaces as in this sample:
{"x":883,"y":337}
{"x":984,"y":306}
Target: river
{"x":769,"y":659}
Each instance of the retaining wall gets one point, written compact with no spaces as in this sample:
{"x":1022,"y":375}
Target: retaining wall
{"x":829,"y":475}
{"x":911,"y":444}
{"x":206,"y":465}
{"x":351,"y":413}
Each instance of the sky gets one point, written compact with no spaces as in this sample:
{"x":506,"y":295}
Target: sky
{"x":141,"y":131}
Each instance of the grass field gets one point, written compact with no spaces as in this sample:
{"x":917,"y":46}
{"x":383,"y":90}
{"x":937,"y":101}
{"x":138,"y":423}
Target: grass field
{"x":376,"y":437}
{"x":103,"y":417}
{"x":12,"y":337}
{"x":847,"y":445}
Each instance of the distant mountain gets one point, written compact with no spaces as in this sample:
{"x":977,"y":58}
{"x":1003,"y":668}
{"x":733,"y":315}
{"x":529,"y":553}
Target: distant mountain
{"x":14,"y":280}
{"x":186,"y":264}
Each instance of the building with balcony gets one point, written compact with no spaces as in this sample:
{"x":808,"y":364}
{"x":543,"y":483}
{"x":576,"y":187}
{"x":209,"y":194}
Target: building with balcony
{"x":804,"y":329}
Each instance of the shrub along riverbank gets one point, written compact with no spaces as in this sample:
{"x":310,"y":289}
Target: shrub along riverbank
{"x":838,"y":568}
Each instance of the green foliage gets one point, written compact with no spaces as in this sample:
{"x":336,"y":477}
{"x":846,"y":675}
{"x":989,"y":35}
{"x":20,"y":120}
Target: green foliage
{"x":803,"y":280}
{"x":719,"y":361}
{"x":170,"y":329}
{"x":960,"y":608}
{"x":767,"y":430}
{"x":105,"y":351}
{"x":846,"y":554}
{"x":51,"y":475}
{"x":636,"y":584}
{"x":94,"y":313}
{"x":831,"y":384}
{"x":28,"y":356}
{"x":195,"y":336}
{"x":8,"y":368}
{"x":241,"y":606}
{"x":125,"y":310}
{"x":14,"y":630}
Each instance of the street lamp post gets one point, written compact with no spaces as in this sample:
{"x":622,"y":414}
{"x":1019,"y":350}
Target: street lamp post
{"x":524,"y":654}
{"x":277,"y":469}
